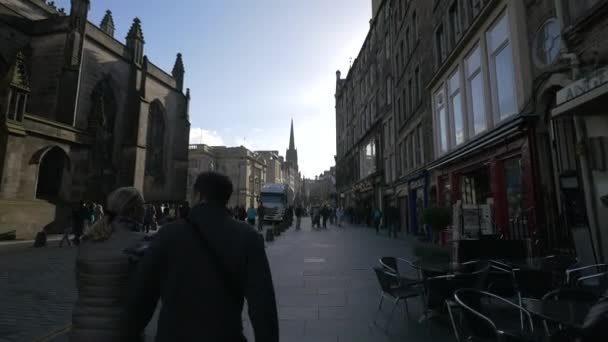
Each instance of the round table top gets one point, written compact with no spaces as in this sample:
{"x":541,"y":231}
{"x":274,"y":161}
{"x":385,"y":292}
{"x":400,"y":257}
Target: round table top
{"x":569,"y":313}
{"x":436,"y":266}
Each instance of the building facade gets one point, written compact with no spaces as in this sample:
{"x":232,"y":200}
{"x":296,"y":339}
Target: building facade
{"x":364,"y":102}
{"x":494,"y":106}
{"x":274,"y":166}
{"x":246,"y":170}
{"x":572,"y":78}
{"x":82,"y":114}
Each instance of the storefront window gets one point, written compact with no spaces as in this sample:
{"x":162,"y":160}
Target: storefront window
{"x":514,"y":186}
{"x":475,"y":187}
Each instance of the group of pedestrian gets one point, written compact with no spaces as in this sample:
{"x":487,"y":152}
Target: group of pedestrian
{"x":201,"y":267}
{"x":83,"y":216}
{"x":252,"y":215}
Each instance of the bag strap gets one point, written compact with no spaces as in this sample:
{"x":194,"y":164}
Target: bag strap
{"x":225,"y":277}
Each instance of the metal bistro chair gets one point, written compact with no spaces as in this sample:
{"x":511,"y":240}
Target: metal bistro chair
{"x":531,"y":284}
{"x":390,"y":287}
{"x":568,"y":294}
{"x":574,"y":274}
{"x":391,"y":264}
{"x":488,"y":316}
{"x":441,"y":289}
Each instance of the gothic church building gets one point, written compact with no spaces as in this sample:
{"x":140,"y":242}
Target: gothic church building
{"x":82,"y":113}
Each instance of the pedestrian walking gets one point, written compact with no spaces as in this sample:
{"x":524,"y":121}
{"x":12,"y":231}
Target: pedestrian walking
{"x":325,"y":215}
{"x":102,"y":271}
{"x":339,"y":216}
{"x":66,"y":236}
{"x":299,"y":213}
{"x":392,"y":220}
{"x":98,"y":212}
{"x":202,"y":270}
{"x":377,"y":219}
{"x":149,"y":218}
{"x":251,"y":214}
{"x":261,"y":211}
{"x":78,"y":221}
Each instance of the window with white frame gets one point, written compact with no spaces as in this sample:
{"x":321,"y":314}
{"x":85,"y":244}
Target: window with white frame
{"x":502,"y":74}
{"x":442,"y":121}
{"x":440,"y":48}
{"x":475,"y":90}
{"x":454,"y":21}
{"x":418,"y":146}
{"x":455,"y":98}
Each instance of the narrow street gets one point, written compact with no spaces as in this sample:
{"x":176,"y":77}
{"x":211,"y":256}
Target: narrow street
{"x":326,"y":289}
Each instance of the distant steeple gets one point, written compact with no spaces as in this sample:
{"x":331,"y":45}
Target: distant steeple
{"x":178,"y":72}
{"x":107,"y":24}
{"x":291,"y":155}
{"x":292,"y":145}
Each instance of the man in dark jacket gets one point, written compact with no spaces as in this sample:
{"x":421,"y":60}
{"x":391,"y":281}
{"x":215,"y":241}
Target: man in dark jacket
{"x":202,"y":269}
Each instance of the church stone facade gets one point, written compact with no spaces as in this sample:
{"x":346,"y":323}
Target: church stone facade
{"x":82,"y":113}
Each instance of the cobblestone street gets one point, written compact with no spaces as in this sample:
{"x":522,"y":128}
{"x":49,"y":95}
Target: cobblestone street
{"x":326,"y":290}
{"x":37,"y":290}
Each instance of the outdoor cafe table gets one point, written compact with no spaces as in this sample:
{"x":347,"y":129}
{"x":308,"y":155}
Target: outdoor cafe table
{"x":568,"y":313}
{"x":435,"y":267}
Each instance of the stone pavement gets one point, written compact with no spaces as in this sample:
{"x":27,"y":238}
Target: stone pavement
{"x":326,"y":289}
{"x":37,"y":290}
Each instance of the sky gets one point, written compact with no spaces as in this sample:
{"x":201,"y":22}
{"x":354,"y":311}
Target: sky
{"x":253,"y":65}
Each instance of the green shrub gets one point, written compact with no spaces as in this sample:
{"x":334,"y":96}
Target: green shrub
{"x":431,"y":252}
{"x":438,"y":218}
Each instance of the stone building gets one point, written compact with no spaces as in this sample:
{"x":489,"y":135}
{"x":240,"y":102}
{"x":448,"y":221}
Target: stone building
{"x":322,"y":189}
{"x":571,"y":84}
{"x":411,"y":144}
{"x":246,"y":170}
{"x":274,"y":166}
{"x":364,"y":103}
{"x":82,"y":114}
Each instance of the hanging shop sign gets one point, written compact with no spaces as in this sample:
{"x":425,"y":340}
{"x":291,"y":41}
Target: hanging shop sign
{"x":582,"y":86}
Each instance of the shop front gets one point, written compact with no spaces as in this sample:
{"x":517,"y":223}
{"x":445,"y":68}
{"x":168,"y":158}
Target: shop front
{"x":493,"y":174}
{"x":580,"y":129}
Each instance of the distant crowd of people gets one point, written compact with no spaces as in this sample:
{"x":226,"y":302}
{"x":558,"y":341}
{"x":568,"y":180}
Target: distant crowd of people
{"x":86,"y":214}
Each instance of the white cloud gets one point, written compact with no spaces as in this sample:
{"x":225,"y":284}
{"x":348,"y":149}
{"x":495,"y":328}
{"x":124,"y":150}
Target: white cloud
{"x":203,"y":136}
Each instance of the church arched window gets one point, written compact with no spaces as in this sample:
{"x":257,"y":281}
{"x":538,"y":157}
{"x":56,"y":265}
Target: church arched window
{"x":155,"y":143}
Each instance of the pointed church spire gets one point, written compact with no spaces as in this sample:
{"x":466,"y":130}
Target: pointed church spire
{"x":107,"y":24}
{"x":292,"y":154}
{"x":135,"y":41}
{"x":178,"y":72}
{"x":292,"y":145}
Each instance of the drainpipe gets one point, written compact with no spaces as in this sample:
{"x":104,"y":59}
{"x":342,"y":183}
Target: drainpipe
{"x":581,"y":134}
